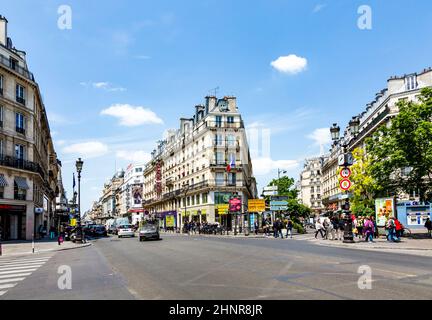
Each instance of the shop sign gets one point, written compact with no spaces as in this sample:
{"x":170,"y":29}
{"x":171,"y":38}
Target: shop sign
{"x":256,"y":205}
{"x":10,"y":207}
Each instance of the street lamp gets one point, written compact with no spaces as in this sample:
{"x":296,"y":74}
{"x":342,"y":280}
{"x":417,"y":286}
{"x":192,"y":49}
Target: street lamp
{"x":354,"y":126}
{"x":281,"y":171}
{"x":79,"y":165}
{"x":335,"y":132}
{"x":186,"y":186}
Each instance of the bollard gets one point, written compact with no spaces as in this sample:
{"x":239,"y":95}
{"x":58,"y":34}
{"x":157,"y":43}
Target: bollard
{"x":1,"y":250}
{"x":33,"y":247}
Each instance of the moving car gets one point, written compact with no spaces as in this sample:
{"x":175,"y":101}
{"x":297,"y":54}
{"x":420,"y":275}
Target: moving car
{"x":99,"y":231}
{"x":149,"y":231}
{"x":125,"y":230}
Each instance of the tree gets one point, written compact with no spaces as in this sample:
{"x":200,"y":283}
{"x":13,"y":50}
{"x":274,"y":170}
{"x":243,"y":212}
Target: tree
{"x":286,"y":188}
{"x":364,"y":186}
{"x":401,"y":152}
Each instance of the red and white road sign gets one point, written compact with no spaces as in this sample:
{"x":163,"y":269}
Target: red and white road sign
{"x":345,"y":173}
{"x":345,"y":184}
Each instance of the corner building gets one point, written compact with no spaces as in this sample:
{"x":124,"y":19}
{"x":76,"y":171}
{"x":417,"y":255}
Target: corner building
{"x":29,"y":168}
{"x":188,"y":178}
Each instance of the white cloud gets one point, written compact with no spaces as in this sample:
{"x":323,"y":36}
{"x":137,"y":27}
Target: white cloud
{"x":290,"y":64}
{"x":134,"y":156}
{"x":321,"y":137}
{"x":264,"y":165}
{"x":107,"y":86}
{"x":132,"y":116}
{"x":85,"y":150}
{"x":319,"y":7}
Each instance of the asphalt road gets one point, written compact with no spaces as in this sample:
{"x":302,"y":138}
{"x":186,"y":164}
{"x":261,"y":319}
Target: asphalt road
{"x":181,"y":267}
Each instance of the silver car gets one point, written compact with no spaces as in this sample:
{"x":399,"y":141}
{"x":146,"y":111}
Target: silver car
{"x":149,"y":231}
{"x":125,"y":230}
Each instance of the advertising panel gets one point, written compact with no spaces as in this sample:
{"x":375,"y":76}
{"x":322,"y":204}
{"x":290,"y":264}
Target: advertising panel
{"x":137,"y":194}
{"x":169,"y":221}
{"x":384,"y":209}
{"x":256,"y":205}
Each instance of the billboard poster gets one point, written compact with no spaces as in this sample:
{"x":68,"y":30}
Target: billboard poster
{"x":169,"y":221}
{"x":137,"y":194}
{"x":384,"y":209}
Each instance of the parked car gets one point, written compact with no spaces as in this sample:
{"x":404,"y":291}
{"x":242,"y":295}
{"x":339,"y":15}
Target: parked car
{"x":149,"y":231}
{"x":100,"y":231}
{"x":125,"y":230}
{"x":112,"y":229}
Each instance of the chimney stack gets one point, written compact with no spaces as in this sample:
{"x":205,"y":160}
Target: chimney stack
{"x":3,"y":30}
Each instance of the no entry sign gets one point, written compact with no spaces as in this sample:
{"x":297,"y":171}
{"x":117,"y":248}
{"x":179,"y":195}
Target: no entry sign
{"x":345,"y":173}
{"x":345,"y":184}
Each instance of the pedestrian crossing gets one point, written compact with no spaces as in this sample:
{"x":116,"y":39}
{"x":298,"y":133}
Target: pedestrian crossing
{"x":13,"y":270}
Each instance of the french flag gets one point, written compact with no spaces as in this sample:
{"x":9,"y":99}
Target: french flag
{"x":231,"y":164}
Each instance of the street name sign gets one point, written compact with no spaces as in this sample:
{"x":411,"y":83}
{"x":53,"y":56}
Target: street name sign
{"x":278,"y":208}
{"x":271,"y":188}
{"x":270,"y":193}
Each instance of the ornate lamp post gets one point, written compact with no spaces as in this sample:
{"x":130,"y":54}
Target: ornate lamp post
{"x":186,"y":189}
{"x":354,"y":125}
{"x":79,"y":165}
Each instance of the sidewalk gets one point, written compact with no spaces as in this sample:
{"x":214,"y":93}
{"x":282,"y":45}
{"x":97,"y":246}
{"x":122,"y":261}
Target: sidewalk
{"x":21,"y":247}
{"x":407,"y":245}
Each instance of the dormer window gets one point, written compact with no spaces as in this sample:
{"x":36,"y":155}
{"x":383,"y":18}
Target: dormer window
{"x":13,"y":63}
{"x":411,"y":82}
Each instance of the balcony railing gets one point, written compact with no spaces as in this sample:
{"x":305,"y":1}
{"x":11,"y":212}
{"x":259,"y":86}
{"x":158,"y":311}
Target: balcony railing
{"x":224,"y":124}
{"x":224,"y":164}
{"x":20,"y":100}
{"x":22,"y":164}
{"x":18,"y":196}
{"x":20,"y":130}
{"x":22,"y":71}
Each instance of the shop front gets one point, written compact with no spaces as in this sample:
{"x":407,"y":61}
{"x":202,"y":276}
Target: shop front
{"x":12,"y":222}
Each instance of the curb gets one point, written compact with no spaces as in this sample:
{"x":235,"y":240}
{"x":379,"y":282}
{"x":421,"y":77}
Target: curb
{"x":45,"y":251}
{"x":372,"y":248}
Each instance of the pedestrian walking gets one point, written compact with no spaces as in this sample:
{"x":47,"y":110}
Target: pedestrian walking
{"x":335,"y":230}
{"x":60,"y":239}
{"x":341,"y":230}
{"x":428,"y":226}
{"x":289,"y":228}
{"x":368,"y":229}
{"x":360,"y":225}
{"x":319,"y":229}
{"x":52,"y":232}
{"x":256,"y":227}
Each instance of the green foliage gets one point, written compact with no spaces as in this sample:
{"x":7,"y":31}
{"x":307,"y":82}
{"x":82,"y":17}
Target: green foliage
{"x":401,"y":153}
{"x":286,"y":188}
{"x":300,"y":229}
{"x":364,"y":186}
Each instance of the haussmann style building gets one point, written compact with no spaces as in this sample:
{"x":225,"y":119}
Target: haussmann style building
{"x":197,"y":168}
{"x":29,"y":168}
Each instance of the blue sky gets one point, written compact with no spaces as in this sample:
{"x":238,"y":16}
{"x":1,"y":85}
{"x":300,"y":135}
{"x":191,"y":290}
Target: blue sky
{"x":155,"y":60}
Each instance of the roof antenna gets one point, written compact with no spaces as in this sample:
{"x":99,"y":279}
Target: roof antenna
{"x":215,"y":91}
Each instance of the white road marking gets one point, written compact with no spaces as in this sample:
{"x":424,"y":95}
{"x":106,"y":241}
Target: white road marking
{"x":17,"y":268}
{"x":7,"y":286}
{"x":11,"y":280}
{"x":21,"y":264}
{"x":15,"y":275}
{"x":13,"y":271}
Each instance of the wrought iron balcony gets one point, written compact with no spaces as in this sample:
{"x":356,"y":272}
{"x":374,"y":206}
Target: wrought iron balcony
{"x":15,"y":67}
{"x":20,"y":100}
{"x":224,"y":124}
{"x":22,"y":164}
{"x":20,"y":130}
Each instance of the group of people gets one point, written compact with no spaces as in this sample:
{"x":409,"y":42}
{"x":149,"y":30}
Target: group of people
{"x":277,"y":226}
{"x":333,"y":228}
